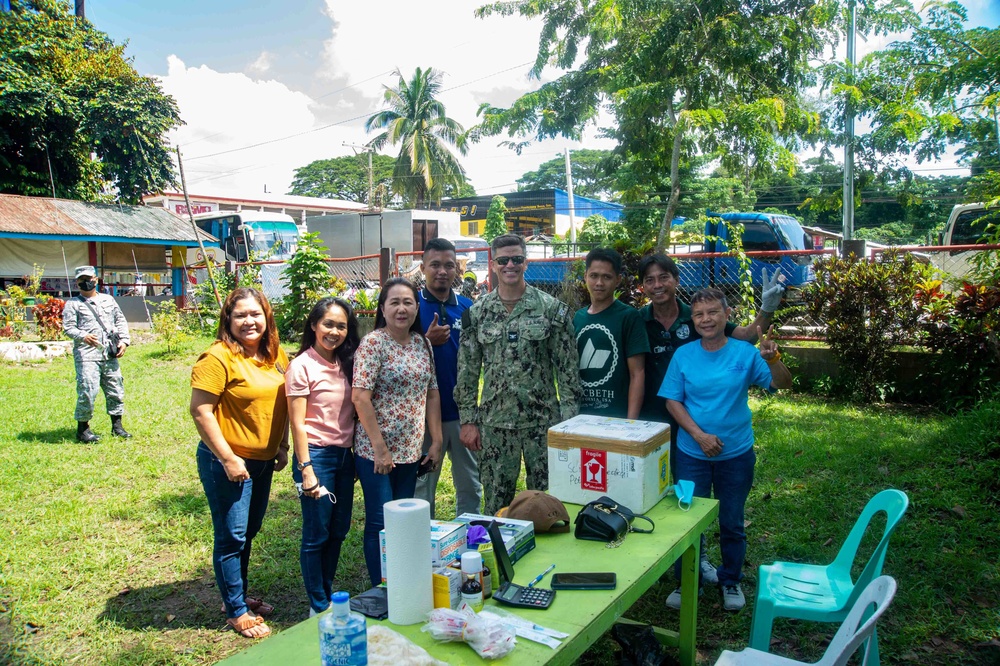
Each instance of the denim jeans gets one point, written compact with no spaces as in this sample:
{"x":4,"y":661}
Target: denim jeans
{"x":464,"y":472}
{"x":730,"y":481}
{"x":324,"y":523}
{"x":379,"y":489}
{"x":237,"y":514}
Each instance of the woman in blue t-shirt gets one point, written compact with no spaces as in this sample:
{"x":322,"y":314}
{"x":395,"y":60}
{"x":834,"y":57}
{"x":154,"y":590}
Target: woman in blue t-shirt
{"x":706,"y":390}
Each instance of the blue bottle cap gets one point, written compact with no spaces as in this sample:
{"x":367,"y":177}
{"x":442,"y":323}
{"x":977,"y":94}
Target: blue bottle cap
{"x":340,"y":597}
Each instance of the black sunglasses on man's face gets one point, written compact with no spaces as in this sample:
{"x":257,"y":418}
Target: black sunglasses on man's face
{"x":518,"y":259}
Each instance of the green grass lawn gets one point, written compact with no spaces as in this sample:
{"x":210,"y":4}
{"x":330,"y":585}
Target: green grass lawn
{"x":105,"y":549}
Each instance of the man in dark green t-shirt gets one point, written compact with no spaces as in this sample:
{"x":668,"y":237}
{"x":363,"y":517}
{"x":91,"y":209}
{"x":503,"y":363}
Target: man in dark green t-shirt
{"x":611,"y":341}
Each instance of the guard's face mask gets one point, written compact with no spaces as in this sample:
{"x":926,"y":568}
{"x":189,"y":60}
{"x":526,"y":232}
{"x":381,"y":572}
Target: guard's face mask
{"x":87,"y":285}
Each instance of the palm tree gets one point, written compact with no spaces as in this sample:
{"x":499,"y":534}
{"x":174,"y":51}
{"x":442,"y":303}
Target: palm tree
{"x":415,"y":119}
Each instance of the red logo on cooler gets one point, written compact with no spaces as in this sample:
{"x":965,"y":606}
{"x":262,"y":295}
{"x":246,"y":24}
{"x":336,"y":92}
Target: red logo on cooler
{"x":594,"y":468}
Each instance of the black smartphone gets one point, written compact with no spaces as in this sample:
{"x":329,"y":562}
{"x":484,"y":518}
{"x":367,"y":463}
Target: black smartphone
{"x":425,"y":466}
{"x":595,"y":580}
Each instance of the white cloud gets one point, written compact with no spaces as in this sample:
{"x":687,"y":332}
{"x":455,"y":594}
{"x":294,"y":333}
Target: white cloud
{"x":224,"y":111}
{"x":262,"y":64}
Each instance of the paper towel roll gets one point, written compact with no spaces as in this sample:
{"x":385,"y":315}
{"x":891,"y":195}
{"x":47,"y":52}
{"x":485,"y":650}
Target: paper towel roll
{"x":408,"y":560}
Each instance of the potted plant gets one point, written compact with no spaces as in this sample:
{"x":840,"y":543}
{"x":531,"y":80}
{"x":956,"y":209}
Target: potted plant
{"x":33,"y":284}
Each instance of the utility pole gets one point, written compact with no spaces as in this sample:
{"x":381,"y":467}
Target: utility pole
{"x":572,"y":205}
{"x":371,"y":176}
{"x":849,"y":128}
{"x":80,"y":9}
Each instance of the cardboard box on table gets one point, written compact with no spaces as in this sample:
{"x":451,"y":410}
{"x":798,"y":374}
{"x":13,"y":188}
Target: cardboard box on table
{"x":591,"y":456}
{"x":518,"y":535}
{"x":447,"y":543}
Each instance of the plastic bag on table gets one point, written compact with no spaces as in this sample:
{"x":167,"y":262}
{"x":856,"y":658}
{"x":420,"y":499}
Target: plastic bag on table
{"x":490,"y":639}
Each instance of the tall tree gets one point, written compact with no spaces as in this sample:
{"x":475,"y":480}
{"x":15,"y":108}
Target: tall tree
{"x":681,"y":77}
{"x":496,"y":218}
{"x":343,"y":177}
{"x":417,"y":121}
{"x":592,"y":170}
{"x":939,"y":86}
{"x":69,"y":92}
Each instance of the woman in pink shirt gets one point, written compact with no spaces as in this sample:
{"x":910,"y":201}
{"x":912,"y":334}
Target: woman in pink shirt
{"x":318,"y":386}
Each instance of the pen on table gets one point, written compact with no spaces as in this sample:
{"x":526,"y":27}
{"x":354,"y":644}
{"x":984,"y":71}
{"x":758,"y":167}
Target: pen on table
{"x":540,"y":576}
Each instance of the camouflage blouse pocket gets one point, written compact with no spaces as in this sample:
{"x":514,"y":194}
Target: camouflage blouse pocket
{"x":535,"y":329}
{"x":489,"y":335}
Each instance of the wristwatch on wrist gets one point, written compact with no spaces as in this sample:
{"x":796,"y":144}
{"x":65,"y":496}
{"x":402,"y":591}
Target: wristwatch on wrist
{"x":303,"y":465}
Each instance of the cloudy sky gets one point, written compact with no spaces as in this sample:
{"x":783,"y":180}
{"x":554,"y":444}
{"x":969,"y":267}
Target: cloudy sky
{"x":268,"y":86}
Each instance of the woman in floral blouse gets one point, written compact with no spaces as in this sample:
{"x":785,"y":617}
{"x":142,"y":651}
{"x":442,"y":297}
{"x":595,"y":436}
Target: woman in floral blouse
{"x":395,"y":393}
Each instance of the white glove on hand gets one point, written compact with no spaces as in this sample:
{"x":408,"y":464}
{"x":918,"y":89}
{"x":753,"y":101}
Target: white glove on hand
{"x":770,"y":297}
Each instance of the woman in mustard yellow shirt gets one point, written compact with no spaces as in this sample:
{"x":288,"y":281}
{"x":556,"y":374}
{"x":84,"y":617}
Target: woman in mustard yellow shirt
{"x":239,"y":407}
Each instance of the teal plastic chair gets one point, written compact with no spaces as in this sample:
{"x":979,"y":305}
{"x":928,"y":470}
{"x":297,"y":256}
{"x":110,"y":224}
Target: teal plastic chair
{"x":825,"y":593}
{"x":872,"y":603}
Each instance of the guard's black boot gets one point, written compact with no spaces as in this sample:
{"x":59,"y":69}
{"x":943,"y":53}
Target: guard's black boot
{"x":117,"y":429}
{"x":85,"y":434}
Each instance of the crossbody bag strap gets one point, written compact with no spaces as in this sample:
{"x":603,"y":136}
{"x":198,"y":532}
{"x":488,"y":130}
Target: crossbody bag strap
{"x":97,"y":316}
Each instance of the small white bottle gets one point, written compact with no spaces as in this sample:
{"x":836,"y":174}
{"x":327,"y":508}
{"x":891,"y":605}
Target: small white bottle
{"x":343,"y":635}
{"x":472,"y":588}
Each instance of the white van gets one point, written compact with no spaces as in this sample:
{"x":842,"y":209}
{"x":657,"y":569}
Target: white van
{"x":963,"y":228}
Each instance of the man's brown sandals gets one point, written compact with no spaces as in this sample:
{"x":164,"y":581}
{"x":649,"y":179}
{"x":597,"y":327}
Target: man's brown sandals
{"x":249,"y":625}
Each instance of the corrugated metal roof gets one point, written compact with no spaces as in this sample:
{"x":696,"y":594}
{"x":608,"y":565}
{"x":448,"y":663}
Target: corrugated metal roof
{"x":61,"y":217}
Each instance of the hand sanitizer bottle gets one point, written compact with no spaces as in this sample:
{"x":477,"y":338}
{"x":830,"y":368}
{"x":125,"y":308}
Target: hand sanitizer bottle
{"x":343,"y":635}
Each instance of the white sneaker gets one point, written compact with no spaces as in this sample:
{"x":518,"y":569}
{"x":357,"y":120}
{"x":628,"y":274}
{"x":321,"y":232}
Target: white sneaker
{"x":732,"y":597}
{"x":313,"y":613}
{"x":674,"y":600}
{"x":709,"y":576}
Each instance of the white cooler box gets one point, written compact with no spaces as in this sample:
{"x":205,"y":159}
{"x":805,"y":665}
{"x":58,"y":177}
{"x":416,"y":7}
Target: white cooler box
{"x":591,"y":456}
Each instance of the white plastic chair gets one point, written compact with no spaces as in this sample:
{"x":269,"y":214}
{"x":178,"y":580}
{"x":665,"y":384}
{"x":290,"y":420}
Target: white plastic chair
{"x":854,"y":631}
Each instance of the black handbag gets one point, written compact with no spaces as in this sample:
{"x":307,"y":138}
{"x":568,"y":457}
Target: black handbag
{"x":606,"y":520}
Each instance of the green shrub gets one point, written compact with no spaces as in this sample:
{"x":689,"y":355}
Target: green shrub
{"x":167,"y":325}
{"x":48,"y":316}
{"x":963,"y":328}
{"x":308,"y":277}
{"x":869,"y":309}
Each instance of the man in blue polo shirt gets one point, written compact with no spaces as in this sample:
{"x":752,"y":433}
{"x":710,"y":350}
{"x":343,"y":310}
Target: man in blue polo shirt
{"x":441,"y":314}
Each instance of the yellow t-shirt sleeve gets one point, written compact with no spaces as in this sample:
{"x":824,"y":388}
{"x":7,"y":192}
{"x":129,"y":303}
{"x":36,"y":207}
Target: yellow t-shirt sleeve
{"x":210,"y":373}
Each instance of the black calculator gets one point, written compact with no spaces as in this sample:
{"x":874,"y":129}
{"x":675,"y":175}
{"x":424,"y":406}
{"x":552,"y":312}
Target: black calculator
{"x":524,"y":597}
{"x":510,"y":593}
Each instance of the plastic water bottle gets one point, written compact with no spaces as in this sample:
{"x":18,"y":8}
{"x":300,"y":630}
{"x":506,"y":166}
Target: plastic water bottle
{"x":343,"y":635}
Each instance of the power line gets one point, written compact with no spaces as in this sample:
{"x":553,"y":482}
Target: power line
{"x":340,"y":122}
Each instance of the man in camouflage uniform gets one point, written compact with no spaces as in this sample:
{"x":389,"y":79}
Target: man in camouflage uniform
{"x":96,"y":366}
{"x":523,"y":341}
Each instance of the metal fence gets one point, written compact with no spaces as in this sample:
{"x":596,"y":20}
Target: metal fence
{"x":954,"y":263}
{"x":558,"y":276}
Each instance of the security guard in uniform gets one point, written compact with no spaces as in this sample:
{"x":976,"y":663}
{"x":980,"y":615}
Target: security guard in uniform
{"x":522,"y":340}
{"x":89,"y":320}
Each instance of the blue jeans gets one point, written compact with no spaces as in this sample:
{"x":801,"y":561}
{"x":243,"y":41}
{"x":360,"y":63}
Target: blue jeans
{"x":324,"y":523}
{"x":730,"y":481}
{"x":378,"y":489}
{"x":237,"y":514}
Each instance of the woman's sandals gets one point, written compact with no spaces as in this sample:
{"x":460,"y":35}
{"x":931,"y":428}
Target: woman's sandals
{"x":249,"y":625}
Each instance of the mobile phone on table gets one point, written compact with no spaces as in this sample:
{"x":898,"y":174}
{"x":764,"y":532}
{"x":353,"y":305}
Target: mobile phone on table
{"x":594,"y":580}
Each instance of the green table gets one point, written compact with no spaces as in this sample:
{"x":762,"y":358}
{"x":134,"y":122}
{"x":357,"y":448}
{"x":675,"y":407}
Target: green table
{"x":584,"y":615}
